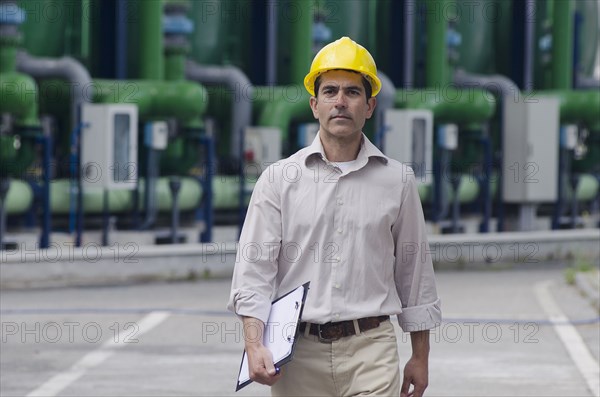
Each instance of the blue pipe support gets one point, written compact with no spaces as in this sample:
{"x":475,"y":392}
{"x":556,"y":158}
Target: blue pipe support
{"x":206,"y":211}
{"x":46,"y":142}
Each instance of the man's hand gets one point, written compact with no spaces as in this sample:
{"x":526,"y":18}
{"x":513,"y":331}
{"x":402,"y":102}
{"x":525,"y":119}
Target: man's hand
{"x":416,"y":371}
{"x":260,"y":359}
{"x":260,"y":364}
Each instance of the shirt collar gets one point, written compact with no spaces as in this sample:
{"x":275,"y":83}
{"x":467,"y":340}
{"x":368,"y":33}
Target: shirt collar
{"x":367,"y":150}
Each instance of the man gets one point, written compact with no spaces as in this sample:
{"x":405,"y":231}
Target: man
{"x":348,"y":219}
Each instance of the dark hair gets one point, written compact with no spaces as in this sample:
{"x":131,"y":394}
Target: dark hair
{"x":365,"y":82}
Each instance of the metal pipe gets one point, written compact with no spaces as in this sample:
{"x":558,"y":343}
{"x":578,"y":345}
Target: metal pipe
{"x":562,"y":44}
{"x":239,"y":84}
{"x":4,"y":186}
{"x":271,"y":60}
{"x":150,"y":207}
{"x":65,"y":68}
{"x":301,"y":40}
{"x":174,"y":186}
{"x":499,"y":85}
{"x":409,"y":39}
{"x":530,"y":12}
{"x":437,"y":69}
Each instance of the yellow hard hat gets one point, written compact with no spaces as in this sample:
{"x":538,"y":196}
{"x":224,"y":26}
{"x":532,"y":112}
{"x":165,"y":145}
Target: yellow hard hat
{"x":343,"y":54}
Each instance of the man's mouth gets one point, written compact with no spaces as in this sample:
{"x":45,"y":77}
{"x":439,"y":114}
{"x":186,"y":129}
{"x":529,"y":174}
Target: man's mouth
{"x":340,"y":116}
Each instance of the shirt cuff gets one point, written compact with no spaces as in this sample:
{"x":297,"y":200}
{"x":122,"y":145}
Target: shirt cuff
{"x":250,"y":304}
{"x":420,"y":318}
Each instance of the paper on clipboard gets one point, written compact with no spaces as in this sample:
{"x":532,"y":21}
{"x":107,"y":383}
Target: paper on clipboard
{"x":280,"y":331}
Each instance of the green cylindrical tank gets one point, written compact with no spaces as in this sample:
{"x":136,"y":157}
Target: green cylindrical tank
{"x":226,"y":191}
{"x":294,"y":41}
{"x":562,"y":44}
{"x":19,"y":96}
{"x":346,"y":18}
{"x":589,"y":35}
{"x":475,"y":22}
{"x":19,"y":197}
{"x":470,"y":107}
{"x":121,"y":200}
{"x":222,"y":32}
{"x":145,"y":40}
{"x":44,"y":27}
{"x":586,"y":190}
{"x":502,"y":42}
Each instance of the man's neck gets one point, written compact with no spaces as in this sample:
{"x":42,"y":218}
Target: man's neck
{"x":338,"y":150}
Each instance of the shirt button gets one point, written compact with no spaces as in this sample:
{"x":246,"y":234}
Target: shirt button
{"x":337,"y":258}
{"x":340,"y":202}
{"x":337,"y":285}
{"x":339,"y":230}
{"x":337,"y":315}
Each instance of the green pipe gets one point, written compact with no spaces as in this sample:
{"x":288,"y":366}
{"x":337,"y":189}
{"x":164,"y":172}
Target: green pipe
{"x":578,"y":106}
{"x":121,"y":200}
{"x":145,"y":40}
{"x":226,"y":191}
{"x":437,"y":70}
{"x":175,"y":65}
{"x":283,"y":108}
{"x":301,"y":39}
{"x":85,"y":16}
{"x":44,"y":33}
{"x":183,"y":100}
{"x":18,"y":96}
{"x":472,"y":107}
{"x":19,"y":197}
{"x":468,"y":190}
{"x":586,"y":190}
{"x":562,"y":44}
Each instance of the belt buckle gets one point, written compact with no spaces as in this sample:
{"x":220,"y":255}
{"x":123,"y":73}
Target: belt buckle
{"x":323,"y":339}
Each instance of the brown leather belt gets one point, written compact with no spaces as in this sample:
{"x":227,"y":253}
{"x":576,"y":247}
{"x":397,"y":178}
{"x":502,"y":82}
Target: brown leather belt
{"x":330,"y":332}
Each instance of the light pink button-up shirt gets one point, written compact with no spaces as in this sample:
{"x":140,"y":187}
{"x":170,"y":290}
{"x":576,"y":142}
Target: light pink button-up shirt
{"x":358,"y":236}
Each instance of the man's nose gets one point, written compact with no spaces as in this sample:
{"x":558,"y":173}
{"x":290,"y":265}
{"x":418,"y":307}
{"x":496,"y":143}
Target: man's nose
{"x":340,"y":100}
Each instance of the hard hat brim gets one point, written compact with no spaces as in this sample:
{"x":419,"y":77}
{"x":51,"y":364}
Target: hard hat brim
{"x":309,"y":80}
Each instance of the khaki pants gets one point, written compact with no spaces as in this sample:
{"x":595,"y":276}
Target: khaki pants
{"x":365,"y":364}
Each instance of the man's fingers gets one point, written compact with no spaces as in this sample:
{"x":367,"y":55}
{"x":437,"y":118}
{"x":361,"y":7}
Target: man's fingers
{"x":405,"y":386}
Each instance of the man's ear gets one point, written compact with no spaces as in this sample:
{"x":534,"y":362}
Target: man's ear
{"x":313,"y":106}
{"x":371,"y":103}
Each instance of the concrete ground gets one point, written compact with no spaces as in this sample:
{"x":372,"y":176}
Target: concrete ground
{"x":507,"y":332}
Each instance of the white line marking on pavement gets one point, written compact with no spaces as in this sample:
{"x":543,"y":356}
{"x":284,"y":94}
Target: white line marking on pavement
{"x":60,"y":381}
{"x":580,"y":354}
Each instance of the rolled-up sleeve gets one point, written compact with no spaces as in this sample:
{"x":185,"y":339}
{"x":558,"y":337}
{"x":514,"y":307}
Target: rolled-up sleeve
{"x":256,"y":262}
{"x":413,"y":272}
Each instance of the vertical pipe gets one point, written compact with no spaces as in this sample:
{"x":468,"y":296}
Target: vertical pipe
{"x":562,"y":44}
{"x":271,"y":42}
{"x":301,"y":38}
{"x":151,"y":63}
{"x":529,"y":49}
{"x":436,"y":66}
{"x":409,"y":39}
{"x":86,"y":16}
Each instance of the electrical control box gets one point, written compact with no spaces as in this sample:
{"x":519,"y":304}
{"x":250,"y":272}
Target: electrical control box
{"x":262,"y":147}
{"x":530,"y":150}
{"x":408,"y":138}
{"x":109,"y":143}
{"x":156,"y":135}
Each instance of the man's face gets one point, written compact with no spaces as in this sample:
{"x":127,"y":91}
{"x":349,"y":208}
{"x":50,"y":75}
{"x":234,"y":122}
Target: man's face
{"x":341,"y":105}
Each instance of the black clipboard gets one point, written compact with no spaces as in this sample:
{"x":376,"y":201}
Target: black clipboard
{"x":281,"y":331}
